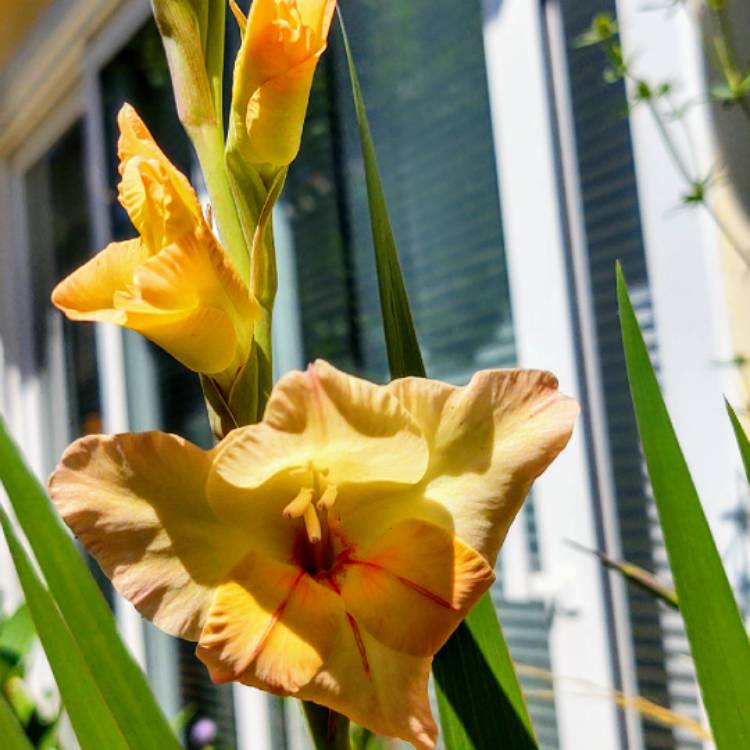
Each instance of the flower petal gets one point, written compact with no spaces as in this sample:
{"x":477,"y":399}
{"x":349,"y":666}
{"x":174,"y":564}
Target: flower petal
{"x":159,"y":199}
{"x":271,"y":626}
{"x":196,"y":270}
{"x":355,"y":431}
{"x":275,"y":41}
{"x":137,"y":504}
{"x":88,"y":293}
{"x":317,"y":15}
{"x":377,"y":687}
{"x":189,"y":300}
{"x":276,"y":113}
{"x":488,"y":442}
{"x":413,"y":587}
{"x":280,"y":49}
{"x":202,"y":339}
{"x":152,"y":204}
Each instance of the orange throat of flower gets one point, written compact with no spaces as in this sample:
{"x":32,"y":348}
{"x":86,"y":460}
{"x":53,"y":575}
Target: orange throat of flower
{"x":319,"y":547}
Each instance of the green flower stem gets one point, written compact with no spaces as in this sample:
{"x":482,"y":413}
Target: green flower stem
{"x":213,"y":51}
{"x":193,"y":39}
{"x":264,"y":359}
{"x":329,"y":730}
{"x":209,"y":145}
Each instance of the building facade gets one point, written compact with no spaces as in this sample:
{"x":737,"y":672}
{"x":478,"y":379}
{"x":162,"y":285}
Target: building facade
{"x":514,"y":183}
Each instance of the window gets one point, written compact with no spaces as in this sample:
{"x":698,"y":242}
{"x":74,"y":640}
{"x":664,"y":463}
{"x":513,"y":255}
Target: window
{"x":59,"y":241}
{"x":612,"y":222}
{"x":422,"y":70}
{"x":64,"y":353}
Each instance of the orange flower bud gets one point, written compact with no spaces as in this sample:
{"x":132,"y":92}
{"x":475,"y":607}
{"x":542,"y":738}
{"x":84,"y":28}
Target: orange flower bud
{"x":281,"y":45}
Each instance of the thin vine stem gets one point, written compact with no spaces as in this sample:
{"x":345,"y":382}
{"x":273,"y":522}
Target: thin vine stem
{"x":684,"y":171}
{"x":730,"y":67}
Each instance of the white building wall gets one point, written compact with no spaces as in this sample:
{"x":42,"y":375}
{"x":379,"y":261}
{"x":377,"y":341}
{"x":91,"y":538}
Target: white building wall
{"x":682,"y":252}
{"x":572,"y":583}
{"x":683,"y":256}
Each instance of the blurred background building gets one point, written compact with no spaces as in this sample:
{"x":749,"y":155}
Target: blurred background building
{"x":514,"y":181}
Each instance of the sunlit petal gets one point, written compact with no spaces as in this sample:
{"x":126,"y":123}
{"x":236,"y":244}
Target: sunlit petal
{"x":159,"y":199}
{"x":281,"y":45}
{"x":270,"y":626}
{"x":377,"y":687}
{"x":136,"y":502}
{"x":488,"y":442}
{"x":190,"y":300}
{"x":273,"y":109}
{"x":413,"y":586}
{"x":88,"y":293}
{"x":356,"y":432}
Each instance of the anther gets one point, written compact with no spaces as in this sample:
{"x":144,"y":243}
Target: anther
{"x":300,"y":504}
{"x":328,"y":498}
{"x":312,"y":524}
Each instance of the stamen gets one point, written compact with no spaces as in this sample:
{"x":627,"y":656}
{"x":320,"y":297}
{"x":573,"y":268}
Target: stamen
{"x":300,"y":504}
{"x":328,"y":498}
{"x":312,"y":524}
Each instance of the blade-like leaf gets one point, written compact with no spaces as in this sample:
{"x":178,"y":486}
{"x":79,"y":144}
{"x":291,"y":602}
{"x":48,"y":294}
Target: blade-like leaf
{"x":90,"y":716}
{"x":742,"y":441}
{"x":121,"y":682}
{"x":404,"y":357}
{"x":637,"y":576}
{"x":714,"y":627}
{"x":11,"y":732}
{"x":480,"y":700}
{"x":479,"y":697}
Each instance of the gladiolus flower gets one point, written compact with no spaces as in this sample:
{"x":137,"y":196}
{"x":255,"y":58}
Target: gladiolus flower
{"x":330,"y":550}
{"x":174,"y":283}
{"x":282,"y":42}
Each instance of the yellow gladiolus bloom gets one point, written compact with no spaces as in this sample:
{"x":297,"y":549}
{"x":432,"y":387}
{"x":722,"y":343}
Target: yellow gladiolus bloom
{"x":174,"y":283}
{"x":282,"y":42}
{"x":330,"y":550}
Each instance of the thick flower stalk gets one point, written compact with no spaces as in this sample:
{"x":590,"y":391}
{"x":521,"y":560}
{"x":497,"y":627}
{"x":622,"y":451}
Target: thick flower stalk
{"x":282,"y":42}
{"x":330,"y":550}
{"x":173,"y":283}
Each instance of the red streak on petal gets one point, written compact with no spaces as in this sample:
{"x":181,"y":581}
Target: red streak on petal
{"x":275,"y":617}
{"x":360,"y":643}
{"x":330,"y":581}
{"x":431,"y":595}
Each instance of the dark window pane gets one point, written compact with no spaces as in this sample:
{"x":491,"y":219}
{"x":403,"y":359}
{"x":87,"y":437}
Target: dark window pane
{"x":64,"y":352}
{"x":422,"y":70}
{"x":59,"y":241}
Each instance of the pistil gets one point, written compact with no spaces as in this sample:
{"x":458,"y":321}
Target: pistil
{"x":312,"y":525}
